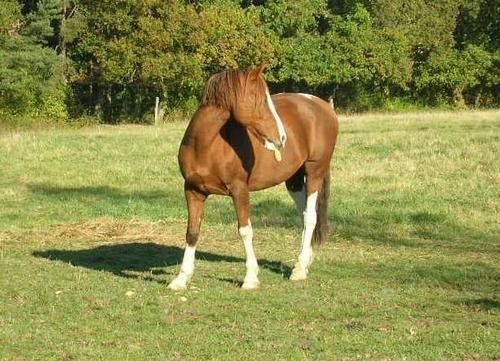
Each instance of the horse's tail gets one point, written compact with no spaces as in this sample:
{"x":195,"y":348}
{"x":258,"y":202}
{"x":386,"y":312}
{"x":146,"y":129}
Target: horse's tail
{"x":320,"y":234}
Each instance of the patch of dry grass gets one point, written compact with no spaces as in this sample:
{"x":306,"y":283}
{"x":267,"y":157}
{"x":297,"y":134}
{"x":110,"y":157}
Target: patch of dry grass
{"x":111,"y":230}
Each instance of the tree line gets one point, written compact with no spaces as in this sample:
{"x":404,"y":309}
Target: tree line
{"x":111,"y":58}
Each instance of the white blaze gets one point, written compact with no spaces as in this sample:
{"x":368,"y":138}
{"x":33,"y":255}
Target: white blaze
{"x":277,"y":119}
{"x":269,"y":145}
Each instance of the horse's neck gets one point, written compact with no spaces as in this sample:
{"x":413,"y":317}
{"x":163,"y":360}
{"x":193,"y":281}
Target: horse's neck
{"x":205,"y":126}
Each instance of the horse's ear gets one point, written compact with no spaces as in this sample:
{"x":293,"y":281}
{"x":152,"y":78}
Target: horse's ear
{"x":257,"y":72}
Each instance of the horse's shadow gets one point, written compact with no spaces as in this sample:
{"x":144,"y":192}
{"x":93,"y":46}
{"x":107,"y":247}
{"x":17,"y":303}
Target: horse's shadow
{"x":144,"y":260}
{"x":138,"y":260}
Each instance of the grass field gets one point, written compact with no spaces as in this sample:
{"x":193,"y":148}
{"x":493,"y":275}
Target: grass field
{"x":92,"y":229}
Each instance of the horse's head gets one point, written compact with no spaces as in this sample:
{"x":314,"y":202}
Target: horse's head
{"x":246,"y":95}
{"x":255,"y":109}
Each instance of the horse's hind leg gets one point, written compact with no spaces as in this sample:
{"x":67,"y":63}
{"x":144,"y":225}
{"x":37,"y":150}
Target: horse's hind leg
{"x":297,"y":190}
{"x":314,"y":180}
{"x":241,"y":200}
{"x":195,"y":202}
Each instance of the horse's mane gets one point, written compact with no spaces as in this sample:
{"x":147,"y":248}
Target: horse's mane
{"x":224,"y":89}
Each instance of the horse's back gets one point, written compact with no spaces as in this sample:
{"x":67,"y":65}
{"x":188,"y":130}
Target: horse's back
{"x":309,"y":120}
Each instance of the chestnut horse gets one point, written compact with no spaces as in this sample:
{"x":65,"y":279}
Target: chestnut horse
{"x":240,"y":140}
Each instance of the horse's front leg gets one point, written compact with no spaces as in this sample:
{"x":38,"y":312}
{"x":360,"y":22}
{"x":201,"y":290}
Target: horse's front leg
{"x":195,"y":202}
{"x":241,"y":200}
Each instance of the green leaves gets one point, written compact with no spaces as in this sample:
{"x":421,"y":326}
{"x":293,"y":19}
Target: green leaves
{"x":455,"y":71}
{"x":39,"y":24}
{"x":10,"y":17}
{"x":31,"y":79}
{"x":116,"y":56}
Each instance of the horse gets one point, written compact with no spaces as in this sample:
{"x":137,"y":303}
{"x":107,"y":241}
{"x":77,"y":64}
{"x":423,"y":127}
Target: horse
{"x":241,"y":139}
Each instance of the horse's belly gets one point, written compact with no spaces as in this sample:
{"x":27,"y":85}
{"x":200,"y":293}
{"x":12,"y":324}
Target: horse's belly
{"x":268,"y":172}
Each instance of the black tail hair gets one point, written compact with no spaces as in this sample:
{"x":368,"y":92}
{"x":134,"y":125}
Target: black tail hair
{"x":321,"y":230}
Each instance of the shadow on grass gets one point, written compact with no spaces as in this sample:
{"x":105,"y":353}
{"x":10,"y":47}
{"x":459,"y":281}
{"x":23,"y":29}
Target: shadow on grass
{"x":425,"y":229}
{"x":122,"y":259}
{"x":483,"y":304}
{"x":276,"y":213}
{"x":101,"y":193}
{"x":269,"y":212}
{"x":422,"y":228}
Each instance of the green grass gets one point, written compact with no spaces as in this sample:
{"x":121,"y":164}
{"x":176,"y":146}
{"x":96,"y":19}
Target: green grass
{"x":92,"y":226}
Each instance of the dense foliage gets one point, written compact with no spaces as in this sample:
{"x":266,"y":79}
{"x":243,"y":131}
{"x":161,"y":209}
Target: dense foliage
{"x":111,"y":58}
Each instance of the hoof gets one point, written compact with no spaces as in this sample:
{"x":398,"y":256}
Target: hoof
{"x":298,"y":274}
{"x":177,"y":285}
{"x":250,"y":285}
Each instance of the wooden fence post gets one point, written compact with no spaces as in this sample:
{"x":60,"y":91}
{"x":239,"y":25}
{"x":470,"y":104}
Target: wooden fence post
{"x":157,"y":110}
